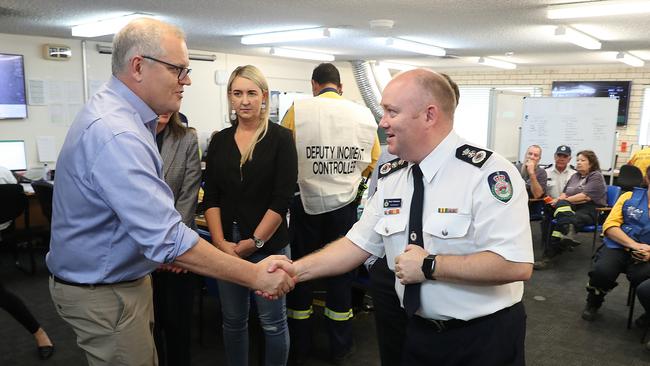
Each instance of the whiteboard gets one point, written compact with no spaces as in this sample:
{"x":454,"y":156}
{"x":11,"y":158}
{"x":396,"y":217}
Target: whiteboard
{"x":506,"y":111}
{"x":580,"y":123}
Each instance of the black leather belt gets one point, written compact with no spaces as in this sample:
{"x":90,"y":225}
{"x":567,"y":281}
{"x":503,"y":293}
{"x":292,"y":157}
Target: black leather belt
{"x":444,"y":325}
{"x":64,"y":282}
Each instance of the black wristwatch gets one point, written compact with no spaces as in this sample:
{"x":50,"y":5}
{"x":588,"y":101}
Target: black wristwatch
{"x":429,"y":266}
{"x":259,"y":243}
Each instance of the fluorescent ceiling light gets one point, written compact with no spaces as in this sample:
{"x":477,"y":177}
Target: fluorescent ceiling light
{"x":626,"y":58}
{"x":105,"y":26}
{"x":286,"y":36}
{"x":107,"y":50}
{"x":396,"y":66}
{"x":597,"y":9}
{"x":578,"y":38}
{"x":416,"y":47}
{"x":496,"y":63}
{"x":305,"y":55}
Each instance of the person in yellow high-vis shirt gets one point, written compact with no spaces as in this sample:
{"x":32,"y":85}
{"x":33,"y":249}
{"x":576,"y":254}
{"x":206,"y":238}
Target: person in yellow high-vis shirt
{"x":337,"y":146}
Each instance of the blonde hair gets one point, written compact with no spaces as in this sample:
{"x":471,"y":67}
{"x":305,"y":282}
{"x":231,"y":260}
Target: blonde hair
{"x":253,"y":74}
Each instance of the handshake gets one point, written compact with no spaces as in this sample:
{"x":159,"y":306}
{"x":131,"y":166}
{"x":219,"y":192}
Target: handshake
{"x":275,"y":276}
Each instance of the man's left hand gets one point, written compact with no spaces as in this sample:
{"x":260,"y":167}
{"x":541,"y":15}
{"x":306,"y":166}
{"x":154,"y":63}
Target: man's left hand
{"x":408,"y":265}
{"x":245,"y":248}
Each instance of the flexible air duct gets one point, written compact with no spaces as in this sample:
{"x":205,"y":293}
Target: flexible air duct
{"x":368,"y":87}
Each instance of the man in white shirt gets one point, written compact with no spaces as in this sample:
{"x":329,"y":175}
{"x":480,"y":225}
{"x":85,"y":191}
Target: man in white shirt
{"x":560,"y":172}
{"x":460,"y":248}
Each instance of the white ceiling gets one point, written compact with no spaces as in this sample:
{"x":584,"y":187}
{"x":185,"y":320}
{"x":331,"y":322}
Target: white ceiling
{"x":466,"y":28}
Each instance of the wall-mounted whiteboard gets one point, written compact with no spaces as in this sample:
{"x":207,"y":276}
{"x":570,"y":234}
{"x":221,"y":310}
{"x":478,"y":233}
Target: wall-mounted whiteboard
{"x":580,"y":123}
{"x":506,"y":111}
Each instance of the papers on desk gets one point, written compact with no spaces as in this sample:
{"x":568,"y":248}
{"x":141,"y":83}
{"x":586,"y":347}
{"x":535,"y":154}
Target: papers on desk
{"x":27,"y":187}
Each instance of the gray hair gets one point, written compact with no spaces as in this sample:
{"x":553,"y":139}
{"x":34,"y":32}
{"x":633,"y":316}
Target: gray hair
{"x":141,"y":36}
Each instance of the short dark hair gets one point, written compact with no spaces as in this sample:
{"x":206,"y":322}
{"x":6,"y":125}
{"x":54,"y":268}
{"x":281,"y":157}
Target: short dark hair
{"x":453,"y":85}
{"x":326,"y":73}
{"x":593,"y":159}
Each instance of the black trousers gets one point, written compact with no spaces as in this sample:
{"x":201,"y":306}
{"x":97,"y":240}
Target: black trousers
{"x":498,"y":340}
{"x":173,"y":299}
{"x":583,"y":214}
{"x":308,"y":233}
{"x":607,"y":265}
{"x":390,"y":317}
{"x":16,"y":308}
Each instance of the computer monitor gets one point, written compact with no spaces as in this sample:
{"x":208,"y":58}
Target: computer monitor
{"x":12,"y":154}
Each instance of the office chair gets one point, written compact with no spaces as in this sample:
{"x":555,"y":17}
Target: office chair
{"x":14,"y":204}
{"x":44,"y":192}
{"x":629,"y":177}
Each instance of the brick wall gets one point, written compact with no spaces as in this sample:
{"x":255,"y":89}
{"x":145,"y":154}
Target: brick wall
{"x":543,"y":78}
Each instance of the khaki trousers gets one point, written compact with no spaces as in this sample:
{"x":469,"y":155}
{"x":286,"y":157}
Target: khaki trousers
{"x":113,"y":323}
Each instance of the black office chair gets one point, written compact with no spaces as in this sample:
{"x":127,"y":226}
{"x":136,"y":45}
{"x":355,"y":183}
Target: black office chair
{"x":44,"y":192}
{"x":629,"y":177}
{"x":14,"y":204}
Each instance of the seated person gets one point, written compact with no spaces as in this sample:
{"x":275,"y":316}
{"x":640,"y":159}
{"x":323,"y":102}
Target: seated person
{"x":559,"y":173}
{"x":641,"y":160}
{"x":533,"y":175}
{"x":576,"y":206}
{"x":626,"y":249}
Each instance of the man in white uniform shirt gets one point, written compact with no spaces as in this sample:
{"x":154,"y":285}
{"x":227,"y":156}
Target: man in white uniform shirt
{"x":467,"y":207}
{"x":560,"y":172}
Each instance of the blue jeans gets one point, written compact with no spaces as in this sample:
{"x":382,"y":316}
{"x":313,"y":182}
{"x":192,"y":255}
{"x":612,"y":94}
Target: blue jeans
{"x":235,"y":305}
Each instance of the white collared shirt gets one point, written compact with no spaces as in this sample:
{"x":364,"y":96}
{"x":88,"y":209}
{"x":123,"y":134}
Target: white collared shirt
{"x":461,"y":216}
{"x":557,"y":180}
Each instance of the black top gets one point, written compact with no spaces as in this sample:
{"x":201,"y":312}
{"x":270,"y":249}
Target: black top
{"x":266,"y":182}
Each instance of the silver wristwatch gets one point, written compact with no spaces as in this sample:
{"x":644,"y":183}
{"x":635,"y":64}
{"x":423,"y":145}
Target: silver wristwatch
{"x":259,"y":243}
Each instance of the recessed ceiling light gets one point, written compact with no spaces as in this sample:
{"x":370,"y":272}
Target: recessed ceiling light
{"x":305,"y":55}
{"x":286,"y":36}
{"x":578,"y":38}
{"x":105,"y":26}
{"x":597,"y":9}
{"x":416,"y":47}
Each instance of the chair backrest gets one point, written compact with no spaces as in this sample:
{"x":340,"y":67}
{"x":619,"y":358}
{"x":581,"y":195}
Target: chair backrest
{"x":613,"y":192}
{"x":44,"y":192}
{"x":13,"y":201}
{"x":629,"y":176}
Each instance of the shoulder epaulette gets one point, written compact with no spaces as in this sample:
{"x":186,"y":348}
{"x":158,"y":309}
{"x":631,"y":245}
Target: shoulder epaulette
{"x":473,"y":155}
{"x":391,"y":166}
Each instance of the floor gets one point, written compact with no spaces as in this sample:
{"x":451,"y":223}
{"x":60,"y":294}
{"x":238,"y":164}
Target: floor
{"x":554,"y":299}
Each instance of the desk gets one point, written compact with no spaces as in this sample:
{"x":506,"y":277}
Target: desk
{"x":200,"y":221}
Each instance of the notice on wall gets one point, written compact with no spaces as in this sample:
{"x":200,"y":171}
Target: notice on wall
{"x":36,"y":92}
{"x":46,"y":146}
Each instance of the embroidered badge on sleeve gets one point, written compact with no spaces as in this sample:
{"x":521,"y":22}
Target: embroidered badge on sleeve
{"x":500,"y":186}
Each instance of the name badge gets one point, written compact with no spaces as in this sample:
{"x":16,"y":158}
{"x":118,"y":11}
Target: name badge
{"x":392,"y":202}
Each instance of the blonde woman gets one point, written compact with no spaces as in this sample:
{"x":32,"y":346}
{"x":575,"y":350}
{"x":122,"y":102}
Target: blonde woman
{"x":251,"y":175}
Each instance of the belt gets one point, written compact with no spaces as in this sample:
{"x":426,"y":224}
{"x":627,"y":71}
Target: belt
{"x":89,"y":285}
{"x":443,"y":325}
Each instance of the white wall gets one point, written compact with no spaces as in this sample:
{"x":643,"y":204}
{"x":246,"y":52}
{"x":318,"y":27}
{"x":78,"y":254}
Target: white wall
{"x":204,"y":101}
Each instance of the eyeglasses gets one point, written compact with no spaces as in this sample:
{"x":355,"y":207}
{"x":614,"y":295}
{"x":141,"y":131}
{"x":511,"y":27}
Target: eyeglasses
{"x":182,"y":71}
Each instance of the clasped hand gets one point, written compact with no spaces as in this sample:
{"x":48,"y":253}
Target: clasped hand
{"x":408,"y":265}
{"x":276,"y":275}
